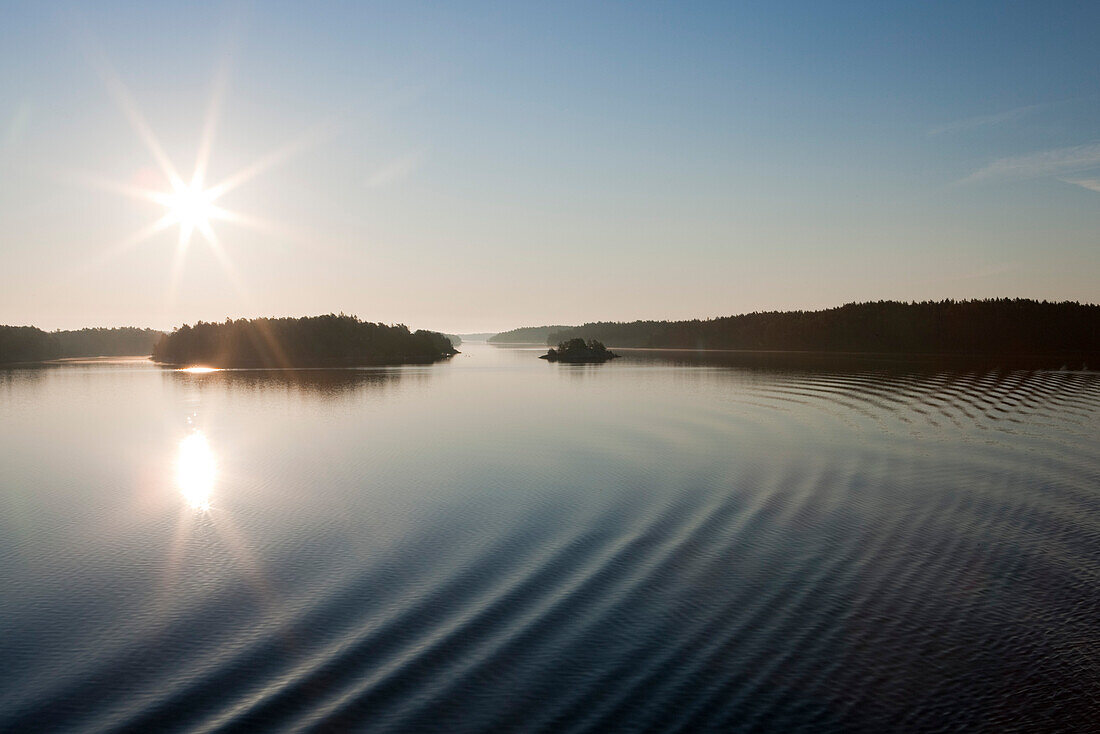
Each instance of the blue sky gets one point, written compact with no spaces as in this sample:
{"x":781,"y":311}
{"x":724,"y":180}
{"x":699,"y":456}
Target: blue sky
{"x":470,"y":166}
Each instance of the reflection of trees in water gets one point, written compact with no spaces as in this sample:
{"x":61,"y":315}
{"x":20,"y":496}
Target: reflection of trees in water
{"x":22,"y":377}
{"x":33,"y":376}
{"x":324,"y":383}
{"x":845,"y":362}
{"x":917,"y":391}
{"x":579,"y":370}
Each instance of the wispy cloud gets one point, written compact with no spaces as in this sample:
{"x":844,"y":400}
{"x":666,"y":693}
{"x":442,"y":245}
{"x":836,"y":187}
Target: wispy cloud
{"x":1056,"y":162}
{"x":396,"y":170}
{"x":1007,"y":116}
{"x":1088,"y":183}
{"x":996,"y":118}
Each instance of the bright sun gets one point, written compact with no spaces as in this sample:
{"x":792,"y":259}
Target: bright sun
{"x":191,"y":207}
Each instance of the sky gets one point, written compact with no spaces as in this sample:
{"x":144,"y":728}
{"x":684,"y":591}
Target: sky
{"x":475,"y":167}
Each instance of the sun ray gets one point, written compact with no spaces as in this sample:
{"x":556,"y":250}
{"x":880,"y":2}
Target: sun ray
{"x":226,"y":263}
{"x":176,"y":274}
{"x":210,"y":122}
{"x":186,"y":230}
{"x":137,"y":238}
{"x":256,"y":224}
{"x":207,"y":231}
{"x":133,"y":114}
{"x":99,"y":182}
{"x":80,"y":270}
{"x":269,"y":160}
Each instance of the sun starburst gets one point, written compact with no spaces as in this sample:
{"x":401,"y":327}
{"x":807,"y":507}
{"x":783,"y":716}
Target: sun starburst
{"x":190,"y":206}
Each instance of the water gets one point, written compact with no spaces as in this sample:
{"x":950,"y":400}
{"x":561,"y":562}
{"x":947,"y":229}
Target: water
{"x":665,"y":542}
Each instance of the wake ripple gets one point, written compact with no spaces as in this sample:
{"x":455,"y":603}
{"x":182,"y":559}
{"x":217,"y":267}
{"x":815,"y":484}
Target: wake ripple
{"x":864,"y":551}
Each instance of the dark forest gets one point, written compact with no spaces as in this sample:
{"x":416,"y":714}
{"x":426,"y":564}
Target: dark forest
{"x":30,"y":344}
{"x":528,"y":335}
{"x":316,"y":341}
{"x":979,"y":327}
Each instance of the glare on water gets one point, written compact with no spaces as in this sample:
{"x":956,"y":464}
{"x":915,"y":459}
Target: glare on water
{"x":195,"y":470}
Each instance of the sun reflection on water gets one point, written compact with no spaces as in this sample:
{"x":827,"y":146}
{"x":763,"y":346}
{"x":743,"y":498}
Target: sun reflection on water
{"x":199,"y":370}
{"x":195,"y":470}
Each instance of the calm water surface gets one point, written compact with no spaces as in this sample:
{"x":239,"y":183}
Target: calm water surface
{"x":496,"y":543}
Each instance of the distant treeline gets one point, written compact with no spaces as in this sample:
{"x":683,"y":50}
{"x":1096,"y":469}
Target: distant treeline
{"x":528,"y":335}
{"x":123,"y":341}
{"x":986,"y":327}
{"x":30,"y":344}
{"x":317,"y":341}
{"x":26,"y":344}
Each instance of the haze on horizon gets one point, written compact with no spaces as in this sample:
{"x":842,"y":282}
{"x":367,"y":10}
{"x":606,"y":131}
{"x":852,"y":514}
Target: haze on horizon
{"x":478,"y":167}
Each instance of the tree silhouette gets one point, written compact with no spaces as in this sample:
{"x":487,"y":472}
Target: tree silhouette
{"x":315,"y":341}
{"x":979,"y":327}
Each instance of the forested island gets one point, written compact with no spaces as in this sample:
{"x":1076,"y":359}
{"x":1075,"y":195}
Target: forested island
{"x":579,"y":351}
{"x":317,"y":341}
{"x":1012,"y":327}
{"x":31,"y":344}
{"x":980,"y":328}
{"x":527,"y":335}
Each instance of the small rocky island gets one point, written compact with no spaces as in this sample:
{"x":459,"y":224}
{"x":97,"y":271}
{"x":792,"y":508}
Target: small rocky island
{"x":578,"y":351}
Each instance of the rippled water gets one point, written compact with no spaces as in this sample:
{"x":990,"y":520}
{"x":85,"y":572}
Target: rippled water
{"x":665,"y":542}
